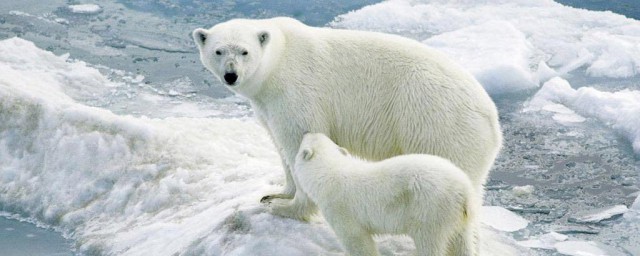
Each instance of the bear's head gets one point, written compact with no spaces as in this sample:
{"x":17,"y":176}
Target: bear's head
{"x":235,"y":51}
{"x":318,"y":147}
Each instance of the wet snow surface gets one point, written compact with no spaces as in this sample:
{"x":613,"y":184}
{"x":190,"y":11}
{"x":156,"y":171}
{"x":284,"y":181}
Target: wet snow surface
{"x":112,"y":133}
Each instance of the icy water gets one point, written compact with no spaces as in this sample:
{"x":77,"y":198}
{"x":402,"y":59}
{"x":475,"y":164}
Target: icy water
{"x":23,"y":238}
{"x":146,"y":45}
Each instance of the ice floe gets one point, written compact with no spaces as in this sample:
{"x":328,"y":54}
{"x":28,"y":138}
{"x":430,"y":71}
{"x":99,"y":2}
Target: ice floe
{"x":620,"y":110}
{"x":511,"y":45}
{"x":502,"y":219}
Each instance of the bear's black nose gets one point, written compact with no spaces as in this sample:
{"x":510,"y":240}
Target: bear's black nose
{"x":230,"y":78}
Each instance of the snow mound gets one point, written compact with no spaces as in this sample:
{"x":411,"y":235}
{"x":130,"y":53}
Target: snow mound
{"x":120,"y":185}
{"x":511,"y":45}
{"x":621,"y":110}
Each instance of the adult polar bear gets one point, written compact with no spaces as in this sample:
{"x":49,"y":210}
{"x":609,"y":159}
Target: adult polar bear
{"x":376,"y":95}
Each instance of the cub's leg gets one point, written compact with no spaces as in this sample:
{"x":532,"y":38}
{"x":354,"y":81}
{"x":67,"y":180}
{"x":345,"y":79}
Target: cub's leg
{"x":356,"y":240}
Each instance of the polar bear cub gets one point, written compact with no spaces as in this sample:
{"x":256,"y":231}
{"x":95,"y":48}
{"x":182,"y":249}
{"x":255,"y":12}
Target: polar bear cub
{"x":424,"y":196}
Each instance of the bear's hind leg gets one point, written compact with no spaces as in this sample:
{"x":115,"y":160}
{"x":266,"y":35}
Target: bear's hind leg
{"x":465,"y":243}
{"x":432,"y":243}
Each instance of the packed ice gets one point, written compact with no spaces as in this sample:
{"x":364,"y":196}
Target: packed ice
{"x":170,"y":174}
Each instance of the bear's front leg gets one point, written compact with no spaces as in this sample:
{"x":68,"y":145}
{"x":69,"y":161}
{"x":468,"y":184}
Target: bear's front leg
{"x":300,"y":207}
{"x":289,"y":187}
{"x":293,"y":202}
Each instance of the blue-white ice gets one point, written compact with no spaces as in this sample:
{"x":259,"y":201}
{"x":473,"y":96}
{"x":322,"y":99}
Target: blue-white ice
{"x":187,"y":179}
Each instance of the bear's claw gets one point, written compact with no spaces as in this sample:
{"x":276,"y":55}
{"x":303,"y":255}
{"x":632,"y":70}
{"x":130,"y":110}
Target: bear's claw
{"x":267,"y":199}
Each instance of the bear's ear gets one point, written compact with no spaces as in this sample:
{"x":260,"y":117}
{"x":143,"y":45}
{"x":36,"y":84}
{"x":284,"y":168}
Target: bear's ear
{"x":343,"y":151}
{"x":199,"y":36}
{"x":307,"y":154}
{"x":263,"y":38}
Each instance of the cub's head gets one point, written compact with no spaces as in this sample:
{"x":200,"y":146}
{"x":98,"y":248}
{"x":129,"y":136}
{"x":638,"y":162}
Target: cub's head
{"x":318,"y":147}
{"x":234,"y":52}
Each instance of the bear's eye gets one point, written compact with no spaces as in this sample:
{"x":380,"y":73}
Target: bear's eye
{"x":218,"y":52}
{"x":245,"y":53}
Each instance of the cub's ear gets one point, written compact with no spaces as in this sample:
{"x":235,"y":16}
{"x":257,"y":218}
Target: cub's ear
{"x":263,"y":38}
{"x":307,"y":154}
{"x":344,"y":151}
{"x":199,"y":36}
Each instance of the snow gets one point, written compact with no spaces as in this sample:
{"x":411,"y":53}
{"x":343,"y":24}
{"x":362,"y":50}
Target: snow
{"x":502,"y":219}
{"x":511,"y":45}
{"x":621,"y":109}
{"x":85,"y":8}
{"x":113,"y":182}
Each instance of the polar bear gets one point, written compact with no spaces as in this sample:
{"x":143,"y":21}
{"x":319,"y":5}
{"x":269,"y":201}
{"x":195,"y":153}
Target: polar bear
{"x":424,"y":196}
{"x":377,"y":95}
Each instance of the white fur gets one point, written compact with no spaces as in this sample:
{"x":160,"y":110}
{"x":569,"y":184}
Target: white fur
{"x":377,"y":95}
{"x":424,"y":196}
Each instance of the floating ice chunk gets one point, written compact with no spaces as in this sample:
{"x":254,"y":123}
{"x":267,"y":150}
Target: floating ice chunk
{"x":502,"y":219}
{"x":85,"y":8}
{"x":634,"y":210}
{"x":586,"y":248}
{"x":577,"y":230}
{"x":546,"y":97}
{"x":496,"y":42}
{"x":544,"y":72}
{"x":522,"y":190}
{"x":551,"y":92}
{"x":546,"y":241}
{"x":61,"y":21}
{"x":173,"y":93}
{"x":600,"y":214}
{"x":568,"y":118}
{"x":636,"y":205}
{"x":557,"y":108}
